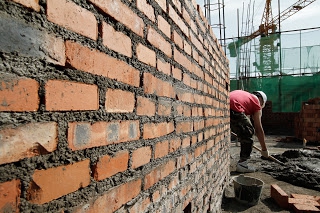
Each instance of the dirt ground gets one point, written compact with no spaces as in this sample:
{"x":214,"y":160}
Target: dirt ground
{"x":300,"y":173}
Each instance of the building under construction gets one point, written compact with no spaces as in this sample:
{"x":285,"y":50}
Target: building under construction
{"x":261,"y":58}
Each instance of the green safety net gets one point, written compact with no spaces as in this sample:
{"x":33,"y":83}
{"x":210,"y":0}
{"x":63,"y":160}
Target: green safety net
{"x":287,"y":93}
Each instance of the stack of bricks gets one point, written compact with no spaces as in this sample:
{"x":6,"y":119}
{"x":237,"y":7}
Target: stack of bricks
{"x":111,"y":106}
{"x":307,"y":123}
{"x":298,"y":203}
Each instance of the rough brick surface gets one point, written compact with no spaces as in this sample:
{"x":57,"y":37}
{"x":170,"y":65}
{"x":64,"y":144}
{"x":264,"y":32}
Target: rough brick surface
{"x":98,"y":63}
{"x":122,"y":13}
{"x":304,"y":208}
{"x":66,"y":95}
{"x":119,"y":101}
{"x":153,"y":130}
{"x":158,"y":174}
{"x":116,"y":41}
{"x":113,"y":199}
{"x":27,"y":141}
{"x":141,"y":156}
{"x":279,"y":196}
{"x":73,"y":17}
{"x":161,"y":149}
{"x":146,"y":55}
{"x":145,"y":106}
{"x":82,"y":135}
{"x":159,"y":42}
{"x":53,"y":183}
{"x":34,"y":4}
{"x":18,"y":94}
{"x":111,"y":165}
{"x":10,"y":196}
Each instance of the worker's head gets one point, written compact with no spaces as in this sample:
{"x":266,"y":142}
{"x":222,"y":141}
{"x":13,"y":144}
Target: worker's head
{"x":262,"y":97}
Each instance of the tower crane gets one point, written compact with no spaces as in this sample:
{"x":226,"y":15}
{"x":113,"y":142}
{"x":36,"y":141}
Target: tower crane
{"x":268,"y":24}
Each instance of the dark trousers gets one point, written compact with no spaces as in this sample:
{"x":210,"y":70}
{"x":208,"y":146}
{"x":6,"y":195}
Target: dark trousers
{"x":242,"y":126}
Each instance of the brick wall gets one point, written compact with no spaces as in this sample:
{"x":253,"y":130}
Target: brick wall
{"x":278,"y":123}
{"x":307,"y":123}
{"x":111,"y":106}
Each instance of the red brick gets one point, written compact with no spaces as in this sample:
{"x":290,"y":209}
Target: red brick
{"x":146,"y":55}
{"x":18,"y":94}
{"x":156,"y":196}
{"x":184,"y":126}
{"x":176,"y":73}
{"x":174,"y":144}
{"x":182,"y":59}
{"x":110,"y":165}
{"x":141,"y":156}
{"x":140,"y":206}
{"x":178,"y":20}
{"x":186,"y":16}
{"x":122,"y":13}
{"x":163,"y":66}
{"x":112,"y":200}
{"x":159,"y":42}
{"x":177,"y":39}
{"x":309,"y":197}
{"x":147,"y":9}
{"x":145,"y":106}
{"x":187,"y":47}
{"x":154,"y":130}
{"x":302,"y":201}
{"x":98,"y":63}
{"x":34,"y":4}
{"x":83,"y":135}
{"x":27,"y":140}
{"x":304,"y":208}
{"x":164,"y":108}
{"x":73,"y":17}
{"x":162,"y":4}
{"x":55,"y":182}
{"x":279,"y":196}
{"x":128,"y":131}
{"x":161,"y":149}
{"x":164,"y":26}
{"x":10,"y":196}
{"x":115,"y":40}
{"x":158,"y":174}
{"x":186,"y":142}
{"x":119,"y":101}
{"x":153,"y":85}
{"x":66,"y":95}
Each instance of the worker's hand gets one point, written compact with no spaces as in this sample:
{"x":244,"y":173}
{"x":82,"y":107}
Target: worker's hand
{"x":265,"y":153}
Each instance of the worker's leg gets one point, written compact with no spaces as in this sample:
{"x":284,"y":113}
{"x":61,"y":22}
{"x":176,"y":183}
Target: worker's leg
{"x":242,"y":126}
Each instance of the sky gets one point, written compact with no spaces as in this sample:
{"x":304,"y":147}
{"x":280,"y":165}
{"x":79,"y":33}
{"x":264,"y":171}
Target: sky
{"x":308,"y":17}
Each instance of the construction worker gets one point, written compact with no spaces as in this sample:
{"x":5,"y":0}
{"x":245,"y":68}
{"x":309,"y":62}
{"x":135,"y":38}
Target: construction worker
{"x":243,"y":106}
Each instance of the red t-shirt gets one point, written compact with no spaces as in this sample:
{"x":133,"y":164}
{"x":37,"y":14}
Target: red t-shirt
{"x":242,"y":101}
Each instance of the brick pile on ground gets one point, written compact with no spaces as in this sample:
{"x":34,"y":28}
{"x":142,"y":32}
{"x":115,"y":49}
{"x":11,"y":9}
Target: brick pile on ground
{"x":298,"y":203}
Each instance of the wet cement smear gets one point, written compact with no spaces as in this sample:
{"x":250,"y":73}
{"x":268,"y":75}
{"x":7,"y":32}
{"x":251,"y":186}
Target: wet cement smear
{"x":301,"y":168}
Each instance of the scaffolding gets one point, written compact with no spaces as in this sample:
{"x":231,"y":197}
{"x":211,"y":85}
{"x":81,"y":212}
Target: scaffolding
{"x":288,"y":75}
{"x":216,"y":9}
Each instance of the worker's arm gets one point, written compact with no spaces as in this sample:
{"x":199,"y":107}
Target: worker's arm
{"x":259,"y":130}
